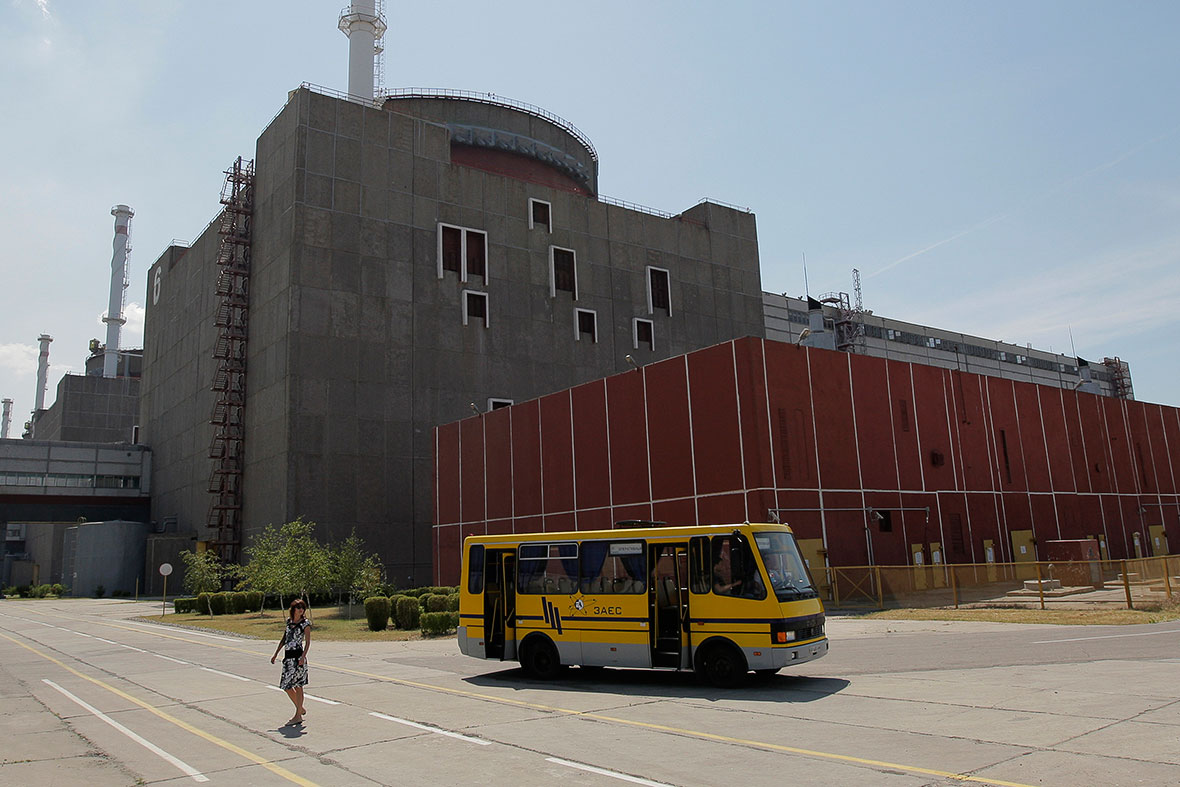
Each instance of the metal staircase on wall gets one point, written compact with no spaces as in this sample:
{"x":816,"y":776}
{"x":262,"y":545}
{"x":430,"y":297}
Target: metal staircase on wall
{"x":229,"y":379}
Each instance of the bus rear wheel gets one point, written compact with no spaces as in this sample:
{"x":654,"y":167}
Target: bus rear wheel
{"x":540,"y":659}
{"x":722,"y":665}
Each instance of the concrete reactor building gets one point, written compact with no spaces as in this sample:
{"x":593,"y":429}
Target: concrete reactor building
{"x":384,"y":269}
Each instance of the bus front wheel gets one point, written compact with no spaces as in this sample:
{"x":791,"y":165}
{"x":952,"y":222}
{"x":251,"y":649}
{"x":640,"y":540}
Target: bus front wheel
{"x":722,"y":665}
{"x":540,"y":659}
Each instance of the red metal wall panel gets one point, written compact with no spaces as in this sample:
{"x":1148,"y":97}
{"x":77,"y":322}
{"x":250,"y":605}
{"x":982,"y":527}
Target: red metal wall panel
{"x":755,"y":421}
{"x":874,"y":429}
{"x":627,"y":426}
{"x":669,"y":430}
{"x":471,"y":478}
{"x":1123,"y":475}
{"x":1032,"y":437}
{"x":446,"y":474}
{"x":526,"y":459}
{"x":1006,"y":434}
{"x":905,"y":433}
{"x":789,"y":390}
{"x":591,"y":457}
{"x":557,"y":456}
{"x":497,"y":426}
{"x":716,"y":427}
{"x":971,"y":432}
{"x":1077,"y":446}
{"x":1056,"y":439}
{"x":832,"y":407}
{"x":934,"y":439}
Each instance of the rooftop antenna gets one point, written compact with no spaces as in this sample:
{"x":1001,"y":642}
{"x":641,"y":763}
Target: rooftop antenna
{"x":114,"y":317}
{"x":806,"y":289}
{"x":1073,"y":350}
{"x":364,"y":24}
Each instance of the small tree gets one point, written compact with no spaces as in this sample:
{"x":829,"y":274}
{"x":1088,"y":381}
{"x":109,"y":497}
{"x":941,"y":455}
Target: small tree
{"x":202,"y":572}
{"x":262,"y":570}
{"x":305,"y":565}
{"x":354,"y":573}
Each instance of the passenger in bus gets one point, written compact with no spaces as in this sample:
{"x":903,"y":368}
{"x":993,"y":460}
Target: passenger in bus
{"x":745,"y":582}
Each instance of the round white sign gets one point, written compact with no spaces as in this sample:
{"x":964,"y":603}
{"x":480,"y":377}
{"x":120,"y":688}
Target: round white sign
{"x":165,"y":569}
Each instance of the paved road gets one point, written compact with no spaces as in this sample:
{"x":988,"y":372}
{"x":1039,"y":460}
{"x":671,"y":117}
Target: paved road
{"x":89,"y":696}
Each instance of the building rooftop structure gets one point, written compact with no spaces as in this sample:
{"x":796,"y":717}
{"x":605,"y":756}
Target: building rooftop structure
{"x":789,"y":319}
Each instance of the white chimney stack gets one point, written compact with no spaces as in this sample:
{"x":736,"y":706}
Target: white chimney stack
{"x":5,"y":419}
{"x":42,"y":372}
{"x":115,"y":318}
{"x":364,"y":25}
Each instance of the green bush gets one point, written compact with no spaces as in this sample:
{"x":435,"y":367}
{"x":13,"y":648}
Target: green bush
{"x":237,"y":602}
{"x":434,"y":602}
{"x":184,"y":604}
{"x":419,"y":592}
{"x":437,"y":623}
{"x":11,"y":591}
{"x":203,"y":603}
{"x":377,"y":610}
{"x":41,"y":591}
{"x":254,"y":601}
{"x":59,"y":589}
{"x":219,"y":602}
{"x":99,"y":591}
{"x":407,"y":613}
{"x":452,"y":602}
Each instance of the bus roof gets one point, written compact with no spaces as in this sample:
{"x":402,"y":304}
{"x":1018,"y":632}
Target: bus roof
{"x":666,"y":533}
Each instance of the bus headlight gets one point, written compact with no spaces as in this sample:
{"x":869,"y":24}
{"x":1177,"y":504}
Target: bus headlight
{"x":779,"y":635}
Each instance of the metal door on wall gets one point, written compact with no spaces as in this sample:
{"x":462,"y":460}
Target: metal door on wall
{"x":1024,"y":550}
{"x":1159,"y":540}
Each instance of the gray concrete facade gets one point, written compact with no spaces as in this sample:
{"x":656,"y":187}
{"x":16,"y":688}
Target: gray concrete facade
{"x":91,"y":409}
{"x":361,"y":339}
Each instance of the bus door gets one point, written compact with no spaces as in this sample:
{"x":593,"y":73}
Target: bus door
{"x":671,"y":644}
{"x":499,"y":604}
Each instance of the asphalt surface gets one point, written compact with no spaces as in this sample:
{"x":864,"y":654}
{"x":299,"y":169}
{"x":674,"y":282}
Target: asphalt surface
{"x":90,"y":696}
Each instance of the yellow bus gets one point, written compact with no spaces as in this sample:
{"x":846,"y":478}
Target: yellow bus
{"x":718,"y":599}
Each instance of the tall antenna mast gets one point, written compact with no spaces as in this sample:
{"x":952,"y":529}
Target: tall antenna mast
{"x":806,"y":288}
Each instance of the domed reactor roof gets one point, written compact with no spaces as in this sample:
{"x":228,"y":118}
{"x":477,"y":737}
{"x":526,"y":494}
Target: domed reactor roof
{"x":506,"y":137}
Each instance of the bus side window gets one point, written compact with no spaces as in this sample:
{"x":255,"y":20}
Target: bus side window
{"x":475,"y":569}
{"x":613,"y":567}
{"x":547,"y":568}
{"x":698,"y":565}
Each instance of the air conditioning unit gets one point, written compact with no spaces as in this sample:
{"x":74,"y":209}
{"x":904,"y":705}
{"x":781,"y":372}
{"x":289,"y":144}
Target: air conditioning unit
{"x":14,"y":532}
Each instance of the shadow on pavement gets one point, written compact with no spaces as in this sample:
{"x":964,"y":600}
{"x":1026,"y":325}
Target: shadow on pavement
{"x":776,"y":688}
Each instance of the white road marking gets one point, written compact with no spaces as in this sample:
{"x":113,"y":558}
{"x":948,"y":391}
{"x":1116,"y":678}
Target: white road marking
{"x":169,"y":658}
{"x":80,"y":634}
{"x":1108,"y":636}
{"x":129,"y":647}
{"x":307,"y":696}
{"x":601,"y":772}
{"x":181,"y":764}
{"x":226,"y":674}
{"x":435,"y":730}
{"x":108,"y":641}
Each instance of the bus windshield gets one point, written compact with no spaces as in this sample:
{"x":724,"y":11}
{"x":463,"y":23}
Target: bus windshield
{"x":787,"y":572}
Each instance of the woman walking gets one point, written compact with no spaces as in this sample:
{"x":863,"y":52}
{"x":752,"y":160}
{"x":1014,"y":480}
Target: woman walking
{"x":295,"y":642}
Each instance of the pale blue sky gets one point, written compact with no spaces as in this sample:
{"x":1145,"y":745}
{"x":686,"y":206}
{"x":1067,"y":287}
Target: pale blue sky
{"x":1006,"y":169}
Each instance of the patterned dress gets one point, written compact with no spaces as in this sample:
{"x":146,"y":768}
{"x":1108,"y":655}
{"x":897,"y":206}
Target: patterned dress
{"x":294,"y":673}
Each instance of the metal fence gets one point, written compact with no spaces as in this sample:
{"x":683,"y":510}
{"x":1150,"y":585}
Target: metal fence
{"x":1142,"y":582}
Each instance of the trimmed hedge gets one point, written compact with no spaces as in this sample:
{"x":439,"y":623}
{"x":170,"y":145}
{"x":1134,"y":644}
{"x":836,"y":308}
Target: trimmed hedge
{"x":203,"y":603}
{"x":219,"y":603}
{"x":419,"y":592}
{"x":437,"y":623}
{"x":185,"y":604}
{"x":407,"y":613}
{"x":237,"y":602}
{"x":434,"y":602}
{"x":452,"y":602}
{"x":377,"y":609}
{"x":254,"y":601}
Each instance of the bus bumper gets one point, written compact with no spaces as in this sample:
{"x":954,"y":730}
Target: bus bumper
{"x":777,"y":658}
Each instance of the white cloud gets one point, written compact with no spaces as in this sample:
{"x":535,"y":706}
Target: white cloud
{"x":44,"y":6}
{"x":18,"y":359}
{"x":133,"y":331}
